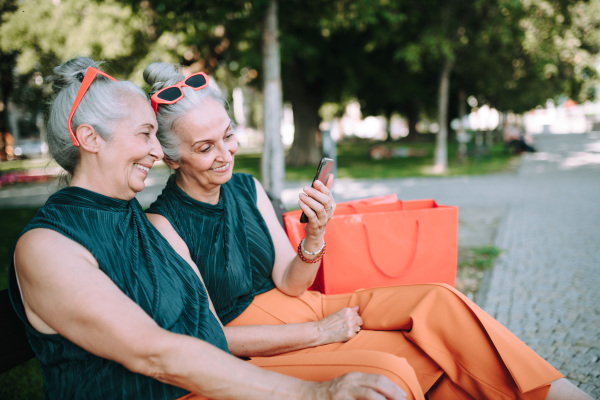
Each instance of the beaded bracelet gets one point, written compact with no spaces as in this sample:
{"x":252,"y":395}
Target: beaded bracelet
{"x":308,"y":252}
{"x":301,"y":250}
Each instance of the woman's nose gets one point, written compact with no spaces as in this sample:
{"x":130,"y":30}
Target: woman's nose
{"x":156,"y":150}
{"x":227,"y":150}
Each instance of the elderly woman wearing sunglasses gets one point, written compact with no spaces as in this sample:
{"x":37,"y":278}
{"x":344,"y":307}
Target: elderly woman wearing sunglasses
{"x":110,"y":308}
{"x":257,"y":281}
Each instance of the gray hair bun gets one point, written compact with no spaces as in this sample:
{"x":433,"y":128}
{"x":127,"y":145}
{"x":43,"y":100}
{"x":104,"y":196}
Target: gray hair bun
{"x":70,"y":72}
{"x":161,"y":75}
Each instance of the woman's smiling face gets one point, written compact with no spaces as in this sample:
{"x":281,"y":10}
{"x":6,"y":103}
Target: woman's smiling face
{"x":131,"y":151}
{"x":208,"y":146}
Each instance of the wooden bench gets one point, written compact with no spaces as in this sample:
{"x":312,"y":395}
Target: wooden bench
{"x":15,"y":349}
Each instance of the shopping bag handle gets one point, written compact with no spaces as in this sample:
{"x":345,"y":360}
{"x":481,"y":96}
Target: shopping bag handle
{"x":406,"y":269}
{"x":399,"y":205}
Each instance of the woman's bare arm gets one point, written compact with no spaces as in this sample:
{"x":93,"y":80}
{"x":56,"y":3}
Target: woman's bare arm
{"x":290,"y":274}
{"x":268,"y":340}
{"x":64,"y":291}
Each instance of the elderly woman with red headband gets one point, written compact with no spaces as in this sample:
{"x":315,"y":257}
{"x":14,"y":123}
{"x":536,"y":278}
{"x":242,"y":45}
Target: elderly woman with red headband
{"x":111,"y":310}
{"x":225,"y":222}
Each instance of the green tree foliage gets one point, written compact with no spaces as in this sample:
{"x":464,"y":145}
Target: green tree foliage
{"x":47,"y":33}
{"x":336,"y":50}
{"x":561,"y":39}
{"x":7,"y":62}
{"x":531,"y":51}
{"x":217,"y":37}
{"x":511,"y":54}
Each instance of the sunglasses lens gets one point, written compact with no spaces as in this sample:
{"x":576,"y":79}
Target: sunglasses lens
{"x":196,"y":81}
{"x":170,"y":94}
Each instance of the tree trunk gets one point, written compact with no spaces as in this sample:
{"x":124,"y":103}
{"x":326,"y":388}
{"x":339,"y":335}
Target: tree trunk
{"x":7,"y":82}
{"x":441,"y":144}
{"x":388,"y":126}
{"x":306,"y":100}
{"x":412,"y":117}
{"x":272,"y":166}
{"x":462,"y":135}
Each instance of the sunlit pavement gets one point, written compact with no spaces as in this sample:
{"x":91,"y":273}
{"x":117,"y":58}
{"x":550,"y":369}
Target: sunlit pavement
{"x":545,"y":286}
{"x":545,"y":217}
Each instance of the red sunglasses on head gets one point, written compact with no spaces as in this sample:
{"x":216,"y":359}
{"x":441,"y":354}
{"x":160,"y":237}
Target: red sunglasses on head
{"x":172,"y":94}
{"x":90,"y":74}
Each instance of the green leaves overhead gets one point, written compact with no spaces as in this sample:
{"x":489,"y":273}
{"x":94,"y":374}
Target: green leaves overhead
{"x":513,"y":54}
{"x":49,"y":32}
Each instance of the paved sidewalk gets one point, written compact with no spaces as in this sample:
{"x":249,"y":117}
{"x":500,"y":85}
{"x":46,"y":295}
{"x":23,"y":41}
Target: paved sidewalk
{"x":545,"y":287}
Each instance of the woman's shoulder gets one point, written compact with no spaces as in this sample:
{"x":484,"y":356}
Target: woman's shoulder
{"x":42,"y":238}
{"x":245,"y":183}
{"x":243,"y":179}
{"x":38,"y":234}
{"x":46,"y":250}
{"x":163,"y":202}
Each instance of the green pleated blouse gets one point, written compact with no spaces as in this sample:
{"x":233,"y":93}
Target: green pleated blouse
{"x":140,"y":261}
{"x":229,"y":241}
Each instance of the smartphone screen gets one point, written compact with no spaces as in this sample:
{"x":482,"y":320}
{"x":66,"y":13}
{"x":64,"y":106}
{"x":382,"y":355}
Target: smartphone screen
{"x":323,"y":172}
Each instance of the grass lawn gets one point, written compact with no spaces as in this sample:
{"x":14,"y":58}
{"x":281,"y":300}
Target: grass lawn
{"x":353,"y":161}
{"x":25,"y":382}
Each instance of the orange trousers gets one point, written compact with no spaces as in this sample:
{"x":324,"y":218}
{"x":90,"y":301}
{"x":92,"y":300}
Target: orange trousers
{"x":431,"y":332}
{"x":326,"y":366}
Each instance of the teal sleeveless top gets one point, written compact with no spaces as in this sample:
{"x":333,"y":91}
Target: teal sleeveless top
{"x":140,"y":261}
{"x":229,"y":242}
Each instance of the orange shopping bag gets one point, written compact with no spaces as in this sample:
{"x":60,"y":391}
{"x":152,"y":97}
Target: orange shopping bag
{"x":295,"y":229}
{"x":383,"y":244}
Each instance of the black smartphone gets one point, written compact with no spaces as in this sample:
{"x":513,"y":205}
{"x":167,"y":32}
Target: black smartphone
{"x":323,"y":172}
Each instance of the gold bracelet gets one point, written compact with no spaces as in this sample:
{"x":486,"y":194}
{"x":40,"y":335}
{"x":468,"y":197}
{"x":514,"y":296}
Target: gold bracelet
{"x":320,"y":253}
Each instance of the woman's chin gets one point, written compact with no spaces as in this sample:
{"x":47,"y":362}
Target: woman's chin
{"x":222,"y":177}
{"x":135,"y":188}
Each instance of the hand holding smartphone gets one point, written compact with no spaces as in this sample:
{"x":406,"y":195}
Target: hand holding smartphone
{"x":322,"y":174}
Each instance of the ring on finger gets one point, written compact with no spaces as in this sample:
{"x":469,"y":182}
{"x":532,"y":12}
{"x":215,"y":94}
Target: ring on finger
{"x":357,"y":329}
{"x":329,"y":208}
